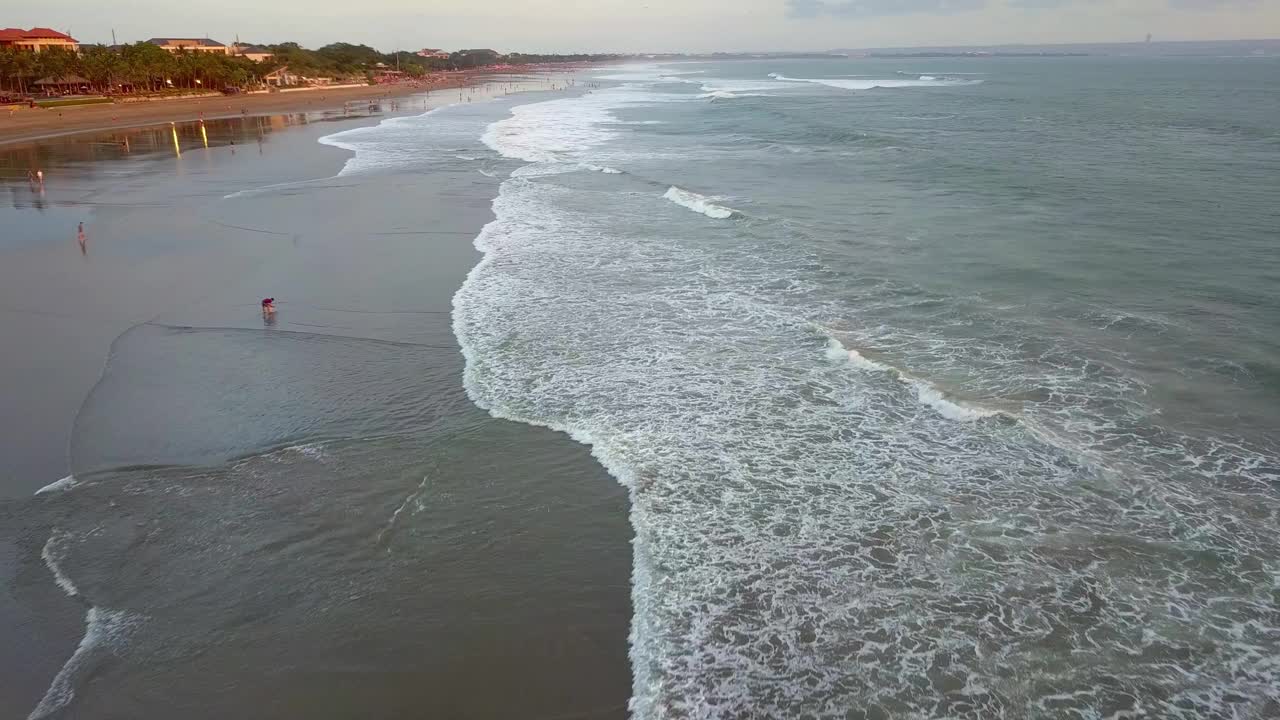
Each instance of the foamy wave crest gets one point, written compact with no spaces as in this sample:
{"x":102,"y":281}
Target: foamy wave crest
{"x":873,"y":83}
{"x":62,"y":485}
{"x":566,"y":132}
{"x":602,"y":169}
{"x":397,"y":143}
{"x":545,"y":133}
{"x":727,"y":95}
{"x":698,"y":203}
{"x":925,"y":392}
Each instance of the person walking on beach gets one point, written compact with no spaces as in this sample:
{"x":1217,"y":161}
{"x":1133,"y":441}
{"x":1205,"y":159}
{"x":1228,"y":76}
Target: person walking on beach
{"x":80,"y":238}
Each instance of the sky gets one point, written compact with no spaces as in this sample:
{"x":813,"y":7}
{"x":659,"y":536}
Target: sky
{"x":659,"y":25}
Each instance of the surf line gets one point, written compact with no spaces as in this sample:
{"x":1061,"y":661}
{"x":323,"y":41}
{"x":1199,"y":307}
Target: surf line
{"x":101,"y":624}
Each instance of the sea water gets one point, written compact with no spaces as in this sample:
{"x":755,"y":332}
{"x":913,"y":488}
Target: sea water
{"x":942,"y":388}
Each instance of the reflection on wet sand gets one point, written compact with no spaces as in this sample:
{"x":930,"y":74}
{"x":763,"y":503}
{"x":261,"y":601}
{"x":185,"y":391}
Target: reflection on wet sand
{"x":32,"y":166}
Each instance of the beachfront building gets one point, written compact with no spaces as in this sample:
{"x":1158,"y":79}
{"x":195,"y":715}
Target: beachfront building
{"x":281,"y":77}
{"x":256,"y":53}
{"x":206,"y":45}
{"x":433,"y":53}
{"x":36,"y":39}
{"x":65,"y":85}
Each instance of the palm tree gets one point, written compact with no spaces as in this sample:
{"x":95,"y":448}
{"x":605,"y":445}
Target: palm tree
{"x":6,"y":65}
{"x":23,"y":64}
{"x":102,"y":66}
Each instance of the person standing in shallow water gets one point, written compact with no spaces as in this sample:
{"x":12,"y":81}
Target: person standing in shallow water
{"x":80,"y":238}
{"x":268,"y":306}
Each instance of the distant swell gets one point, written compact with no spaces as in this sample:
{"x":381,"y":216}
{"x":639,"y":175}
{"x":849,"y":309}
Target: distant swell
{"x":698,"y":203}
{"x":873,"y":83}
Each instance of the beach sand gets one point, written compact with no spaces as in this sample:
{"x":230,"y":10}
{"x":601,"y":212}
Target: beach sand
{"x":34,"y":123}
{"x":300,"y":518}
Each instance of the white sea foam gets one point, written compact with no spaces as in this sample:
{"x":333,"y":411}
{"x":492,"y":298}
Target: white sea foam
{"x":602,"y":169}
{"x":62,"y":485}
{"x":565,"y":134}
{"x":396,"y":143}
{"x":315,"y":451}
{"x":52,"y":554}
{"x":735,"y":86}
{"x":925,"y":392}
{"x":728,"y":95}
{"x":873,"y":83}
{"x":698,"y":203}
{"x":105,"y":630}
{"x":547,"y":132}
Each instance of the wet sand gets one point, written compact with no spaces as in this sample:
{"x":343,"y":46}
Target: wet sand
{"x":34,"y":123}
{"x":414,"y":557}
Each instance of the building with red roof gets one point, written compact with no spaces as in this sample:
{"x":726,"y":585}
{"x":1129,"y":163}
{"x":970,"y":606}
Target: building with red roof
{"x":36,"y":39}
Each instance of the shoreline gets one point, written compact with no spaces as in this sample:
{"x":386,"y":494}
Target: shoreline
{"x":28,"y":125}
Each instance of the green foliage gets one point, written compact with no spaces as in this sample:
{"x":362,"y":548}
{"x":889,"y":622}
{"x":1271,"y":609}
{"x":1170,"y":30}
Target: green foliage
{"x":143,"y":67}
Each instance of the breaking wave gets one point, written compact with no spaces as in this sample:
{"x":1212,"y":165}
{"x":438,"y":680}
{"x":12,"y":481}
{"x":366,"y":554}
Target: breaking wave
{"x":698,"y":203}
{"x":62,"y":485}
{"x":926,"y":392}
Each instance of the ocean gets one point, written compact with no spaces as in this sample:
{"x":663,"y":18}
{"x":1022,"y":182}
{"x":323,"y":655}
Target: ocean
{"x":941,"y":388}
{"x":930,"y":388}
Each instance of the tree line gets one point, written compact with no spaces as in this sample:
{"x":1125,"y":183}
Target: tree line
{"x":144,"y":67}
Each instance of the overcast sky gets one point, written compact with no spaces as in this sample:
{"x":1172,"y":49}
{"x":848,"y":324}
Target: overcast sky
{"x":659,"y":25}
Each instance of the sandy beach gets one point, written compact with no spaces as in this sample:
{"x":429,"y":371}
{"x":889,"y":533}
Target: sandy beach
{"x":300,"y":516}
{"x":24,"y":124}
